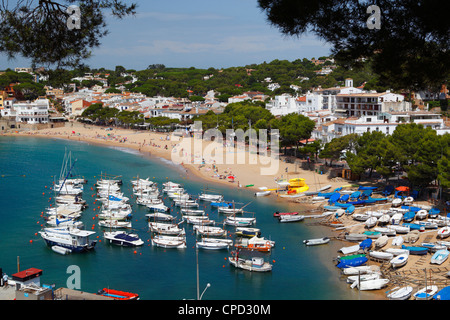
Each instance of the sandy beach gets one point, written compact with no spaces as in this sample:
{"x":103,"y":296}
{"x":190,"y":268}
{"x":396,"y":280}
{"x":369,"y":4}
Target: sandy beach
{"x":248,"y":175}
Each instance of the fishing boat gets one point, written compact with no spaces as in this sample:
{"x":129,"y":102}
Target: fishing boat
{"x":256,"y":264}
{"x":397,"y":241}
{"x":159,"y":216}
{"x":115,"y":224}
{"x":386,"y":231}
{"x":157,"y":207}
{"x":199,"y":220}
{"x":166,"y":228}
{"x":399,"y":261}
{"x":403,"y":293}
{"x":229,"y":210}
{"x":123,"y":238}
{"x":169,"y":241}
{"x":426,"y":293}
{"x":355,"y":236}
{"x":209,"y":231}
{"x":210,"y":197}
{"x":71,"y":238}
{"x":366,"y":244}
{"x":400,"y":229}
{"x":214,"y":244}
{"x":192,"y":212}
{"x":247,"y":232}
{"x":433,"y":247}
{"x":416,"y":250}
{"x":384,"y":219}
{"x":315,"y":242}
{"x":255,"y":244}
{"x":222,"y":204}
{"x":186,"y":203}
{"x":421,"y":214}
{"x":291,"y":218}
{"x":439,"y":256}
{"x":239,"y":221}
{"x":359,"y":270}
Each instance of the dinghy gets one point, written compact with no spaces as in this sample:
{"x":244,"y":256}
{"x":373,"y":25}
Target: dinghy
{"x":375,"y":284}
{"x":381,"y":242}
{"x":443,"y":232}
{"x":403,"y":293}
{"x":397,"y":241}
{"x":363,"y":277}
{"x":359,"y":270}
{"x":381,"y":255}
{"x":416,"y":250}
{"x":315,"y":242}
{"x":439,"y":256}
{"x":291,"y":218}
{"x":399,"y":261}
{"x":426,"y":293}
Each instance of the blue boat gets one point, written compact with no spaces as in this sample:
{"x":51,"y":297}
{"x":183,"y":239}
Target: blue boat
{"x":410,"y":208}
{"x":416,"y":250}
{"x":344,"y":198}
{"x":365,"y":244}
{"x":443,"y":294}
{"x":367,"y":188}
{"x":388,"y":190}
{"x":355,"y":195}
{"x":331,"y":208}
{"x":334,"y":198}
{"x":409,"y":216}
{"x":433,"y":212}
{"x":221,"y":204}
{"x":327,"y":195}
{"x":355,"y":262}
{"x":343,"y":205}
{"x":414,"y":226}
{"x":350,"y":209}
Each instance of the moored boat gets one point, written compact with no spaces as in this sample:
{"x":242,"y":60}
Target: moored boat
{"x":315,"y":242}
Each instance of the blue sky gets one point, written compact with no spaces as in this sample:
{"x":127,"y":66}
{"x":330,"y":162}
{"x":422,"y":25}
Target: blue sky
{"x":196,"y":33}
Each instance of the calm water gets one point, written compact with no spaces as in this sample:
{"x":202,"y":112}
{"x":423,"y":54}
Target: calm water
{"x":28,"y":165}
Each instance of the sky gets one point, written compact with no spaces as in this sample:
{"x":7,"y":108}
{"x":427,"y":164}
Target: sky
{"x":195,"y":33}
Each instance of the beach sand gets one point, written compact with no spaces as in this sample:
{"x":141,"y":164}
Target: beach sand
{"x":166,"y":146}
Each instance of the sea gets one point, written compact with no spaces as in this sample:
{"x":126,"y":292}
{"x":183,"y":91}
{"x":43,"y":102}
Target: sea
{"x":30,"y":165}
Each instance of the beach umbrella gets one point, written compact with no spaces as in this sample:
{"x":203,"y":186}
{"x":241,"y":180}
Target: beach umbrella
{"x":402,"y":188}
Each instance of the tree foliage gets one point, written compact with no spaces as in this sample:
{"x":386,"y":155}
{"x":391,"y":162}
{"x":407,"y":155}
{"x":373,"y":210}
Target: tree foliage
{"x":38,"y":30}
{"x":409,"y":51}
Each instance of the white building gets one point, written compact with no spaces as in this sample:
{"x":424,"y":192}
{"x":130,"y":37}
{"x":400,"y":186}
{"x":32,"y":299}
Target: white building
{"x":30,"y":112}
{"x":370,"y":103}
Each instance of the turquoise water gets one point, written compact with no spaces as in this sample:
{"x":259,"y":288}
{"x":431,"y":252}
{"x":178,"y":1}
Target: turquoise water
{"x":29,"y":164}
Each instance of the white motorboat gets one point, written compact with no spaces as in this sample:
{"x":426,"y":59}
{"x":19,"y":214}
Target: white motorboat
{"x":386,"y":231}
{"x":396,"y":218}
{"x":315,"y":242}
{"x":352,"y":271}
{"x":403,"y":293}
{"x":397,"y":251}
{"x":426,"y":293}
{"x":399,"y":261}
{"x":254,"y":264}
{"x":123,"y":238}
{"x":262,"y":193}
{"x":361,"y":216}
{"x":384,"y":219}
{"x":400,"y":229}
{"x":291,"y":218}
{"x":54,"y":221}
{"x":73,"y":239}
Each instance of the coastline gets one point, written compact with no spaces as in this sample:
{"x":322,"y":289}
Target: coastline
{"x":153,"y":144}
